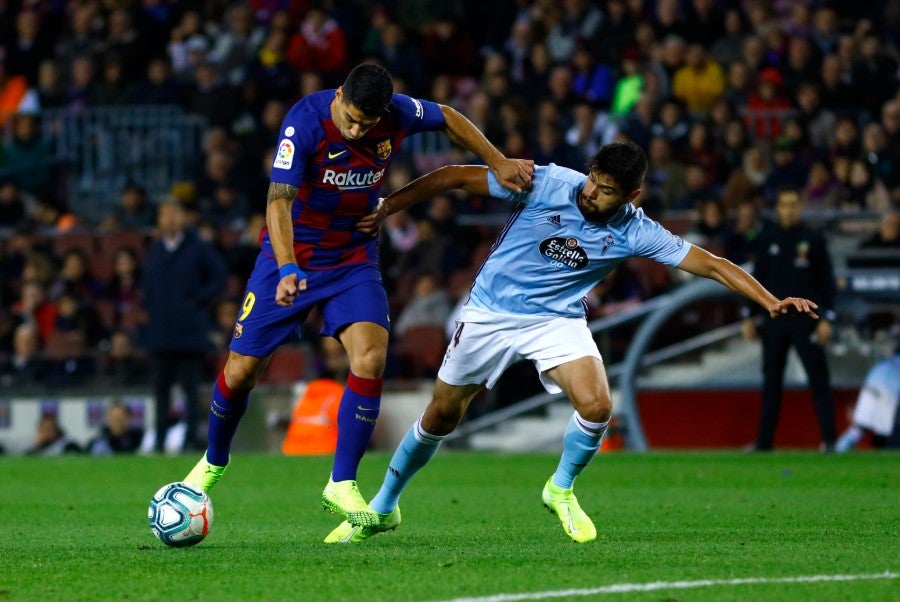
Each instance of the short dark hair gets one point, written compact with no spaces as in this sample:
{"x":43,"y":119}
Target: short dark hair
{"x":369,"y":88}
{"x":624,"y":162}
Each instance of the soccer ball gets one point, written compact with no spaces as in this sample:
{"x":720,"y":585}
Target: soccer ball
{"x":180,"y":515}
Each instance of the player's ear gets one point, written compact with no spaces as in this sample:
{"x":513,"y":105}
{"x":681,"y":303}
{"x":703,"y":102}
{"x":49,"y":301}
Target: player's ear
{"x":339,"y":93}
{"x":634,"y":194}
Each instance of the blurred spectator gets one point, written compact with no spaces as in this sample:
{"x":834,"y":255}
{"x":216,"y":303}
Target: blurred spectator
{"x":727,"y":48}
{"x":269,"y":72}
{"x":80,"y":318}
{"x":75,"y":278}
{"x":448,"y":48}
{"x":767,"y":105}
{"x":241,"y":257}
{"x":837,"y":95}
{"x":122,"y":364}
{"x":50,"y":439}
{"x":236,"y":43}
{"x":226,"y":315}
{"x":34,"y":307}
{"x":80,"y":92}
{"x":27,"y":154}
{"x":429,"y":306}
{"x":551,"y":148}
{"x":864,"y":190}
{"x":12,"y":205}
{"x":593,"y":81}
{"x":845,"y":138}
{"x":159,"y":87}
{"x":664,"y":183}
{"x":671,"y":124}
{"x":821,"y":190}
{"x":696,"y":188}
{"x":627,"y":90}
{"x":743,"y":244}
{"x":319,"y":45}
{"x":700,"y":82}
{"x":793,"y":260}
{"x":210,"y":95}
{"x":132,"y":211}
{"x":113,"y":88}
{"x":869,"y":74}
{"x":701,"y":149}
{"x":712,"y":230}
{"x":182,"y":276}
{"x":818,"y":121}
{"x":26,"y":365}
{"x":885,"y":162}
{"x":118,"y":435}
{"x":31,"y":45}
{"x":787,"y":169}
{"x":888,"y":234}
{"x":574,"y":20}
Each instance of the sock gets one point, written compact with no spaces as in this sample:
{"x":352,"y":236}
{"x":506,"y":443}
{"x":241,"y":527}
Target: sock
{"x":357,"y":415}
{"x":580,"y":444}
{"x":849,"y":439}
{"x":225,"y":412}
{"x":414,"y":452}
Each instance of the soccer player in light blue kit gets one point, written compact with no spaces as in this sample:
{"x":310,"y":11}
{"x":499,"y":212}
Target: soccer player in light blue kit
{"x":563,"y":237}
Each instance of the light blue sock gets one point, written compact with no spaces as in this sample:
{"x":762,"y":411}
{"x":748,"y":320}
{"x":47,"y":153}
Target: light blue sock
{"x":414,"y":452}
{"x":580,"y":445}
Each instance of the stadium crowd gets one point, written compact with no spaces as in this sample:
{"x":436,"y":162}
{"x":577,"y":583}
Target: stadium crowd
{"x":731,"y":101}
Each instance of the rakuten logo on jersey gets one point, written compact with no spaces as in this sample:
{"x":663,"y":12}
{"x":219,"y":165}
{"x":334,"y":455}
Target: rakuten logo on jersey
{"x":351,"y":179}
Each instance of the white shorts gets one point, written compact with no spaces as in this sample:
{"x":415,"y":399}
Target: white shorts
{"x":485,"y":344}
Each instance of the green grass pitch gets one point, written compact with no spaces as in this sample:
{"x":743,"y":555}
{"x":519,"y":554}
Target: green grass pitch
{"x":75,"y":528}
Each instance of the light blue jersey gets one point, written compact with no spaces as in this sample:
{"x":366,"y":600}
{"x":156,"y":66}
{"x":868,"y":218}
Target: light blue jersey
{"x":549,"y":256}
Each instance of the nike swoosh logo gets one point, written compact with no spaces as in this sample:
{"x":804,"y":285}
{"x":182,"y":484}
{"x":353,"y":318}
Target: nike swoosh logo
{"x":350,"y":535}
{"x":362,"y":409}
{"x":337,"y":154}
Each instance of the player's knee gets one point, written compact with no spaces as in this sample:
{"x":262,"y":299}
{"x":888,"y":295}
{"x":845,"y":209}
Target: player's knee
{"x":441,"y":419}
{"x":595,"y":406}
{"x":370,"y":363}
{"x":239,"y":376}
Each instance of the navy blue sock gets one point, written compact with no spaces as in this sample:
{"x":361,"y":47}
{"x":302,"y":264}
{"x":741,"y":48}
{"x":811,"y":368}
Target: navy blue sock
{"x":225,"y":412}
{"x":357,"y":415}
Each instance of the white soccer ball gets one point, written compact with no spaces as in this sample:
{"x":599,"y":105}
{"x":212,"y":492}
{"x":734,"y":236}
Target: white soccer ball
{"x":180,"y":515}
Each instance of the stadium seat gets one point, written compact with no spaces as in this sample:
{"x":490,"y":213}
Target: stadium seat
{"x":81,"y":241}
{"x":422,"y":350}
{"x":287,"y":366}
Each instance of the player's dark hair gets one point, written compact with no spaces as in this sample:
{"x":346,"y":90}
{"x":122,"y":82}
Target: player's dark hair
{"x":624,"y":162}
{"x":369,"y":88}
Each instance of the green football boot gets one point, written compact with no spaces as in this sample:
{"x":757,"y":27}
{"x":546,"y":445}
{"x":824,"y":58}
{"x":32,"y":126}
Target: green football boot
{"x":563,"y":503}
{"x":344,"y":498}
{"x":204,"y":475}
{"x":347,"y":533}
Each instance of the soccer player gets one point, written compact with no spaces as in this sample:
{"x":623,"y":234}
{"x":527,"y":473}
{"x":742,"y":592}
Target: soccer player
{"x":330,"y":163}
{"x":565,"y":234}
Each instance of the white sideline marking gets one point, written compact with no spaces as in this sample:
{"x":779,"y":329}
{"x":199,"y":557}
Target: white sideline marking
{"x":624,"y":588}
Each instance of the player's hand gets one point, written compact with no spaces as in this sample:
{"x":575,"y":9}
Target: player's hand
{"x":514,"y":174}
{"x":794,"y":305}
{"x":371,"y":223}
{"x":292,"y":283}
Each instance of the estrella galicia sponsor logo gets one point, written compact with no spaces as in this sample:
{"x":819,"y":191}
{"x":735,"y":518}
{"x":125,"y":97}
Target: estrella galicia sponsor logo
{"x":564,"y":252}
{"x":352,"y":178}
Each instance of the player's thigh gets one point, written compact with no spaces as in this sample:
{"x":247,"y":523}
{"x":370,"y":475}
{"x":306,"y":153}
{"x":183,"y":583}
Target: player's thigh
{"x":478,"y":353}
{"x":584,"y":382}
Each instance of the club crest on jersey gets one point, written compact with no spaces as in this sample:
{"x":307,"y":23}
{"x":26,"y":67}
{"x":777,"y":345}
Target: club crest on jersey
{"x":564,"y":252}
{"x":238,"y":330}
{"x":383,"y":149}
{"x":608,"y":241}
{"x":284,"y":157}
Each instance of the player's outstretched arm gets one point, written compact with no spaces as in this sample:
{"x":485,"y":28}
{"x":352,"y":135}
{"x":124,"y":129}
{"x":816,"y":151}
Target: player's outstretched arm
{"x":471,"y":178}
{"x":281,"y":234}
{"x":514,"y":174}
{"x":703,"y":263}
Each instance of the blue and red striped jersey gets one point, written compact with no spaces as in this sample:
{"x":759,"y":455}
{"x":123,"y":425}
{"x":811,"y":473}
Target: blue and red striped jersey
{"x":340,"y":180}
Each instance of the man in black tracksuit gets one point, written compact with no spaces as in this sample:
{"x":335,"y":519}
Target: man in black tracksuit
{"x":792,"y":260}
{"x":183,"y":274}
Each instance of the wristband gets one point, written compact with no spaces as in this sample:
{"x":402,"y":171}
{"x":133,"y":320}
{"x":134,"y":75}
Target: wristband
{"x":291,"y":268}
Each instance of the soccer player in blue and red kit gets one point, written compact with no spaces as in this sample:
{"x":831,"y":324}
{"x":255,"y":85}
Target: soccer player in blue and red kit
{"x":334,"y":149}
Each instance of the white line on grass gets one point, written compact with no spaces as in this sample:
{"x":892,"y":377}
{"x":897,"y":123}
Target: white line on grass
{"x":624,"y":588}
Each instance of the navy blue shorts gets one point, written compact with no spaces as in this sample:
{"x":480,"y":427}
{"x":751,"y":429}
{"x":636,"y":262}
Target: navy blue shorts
{"x":343,"y":295}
